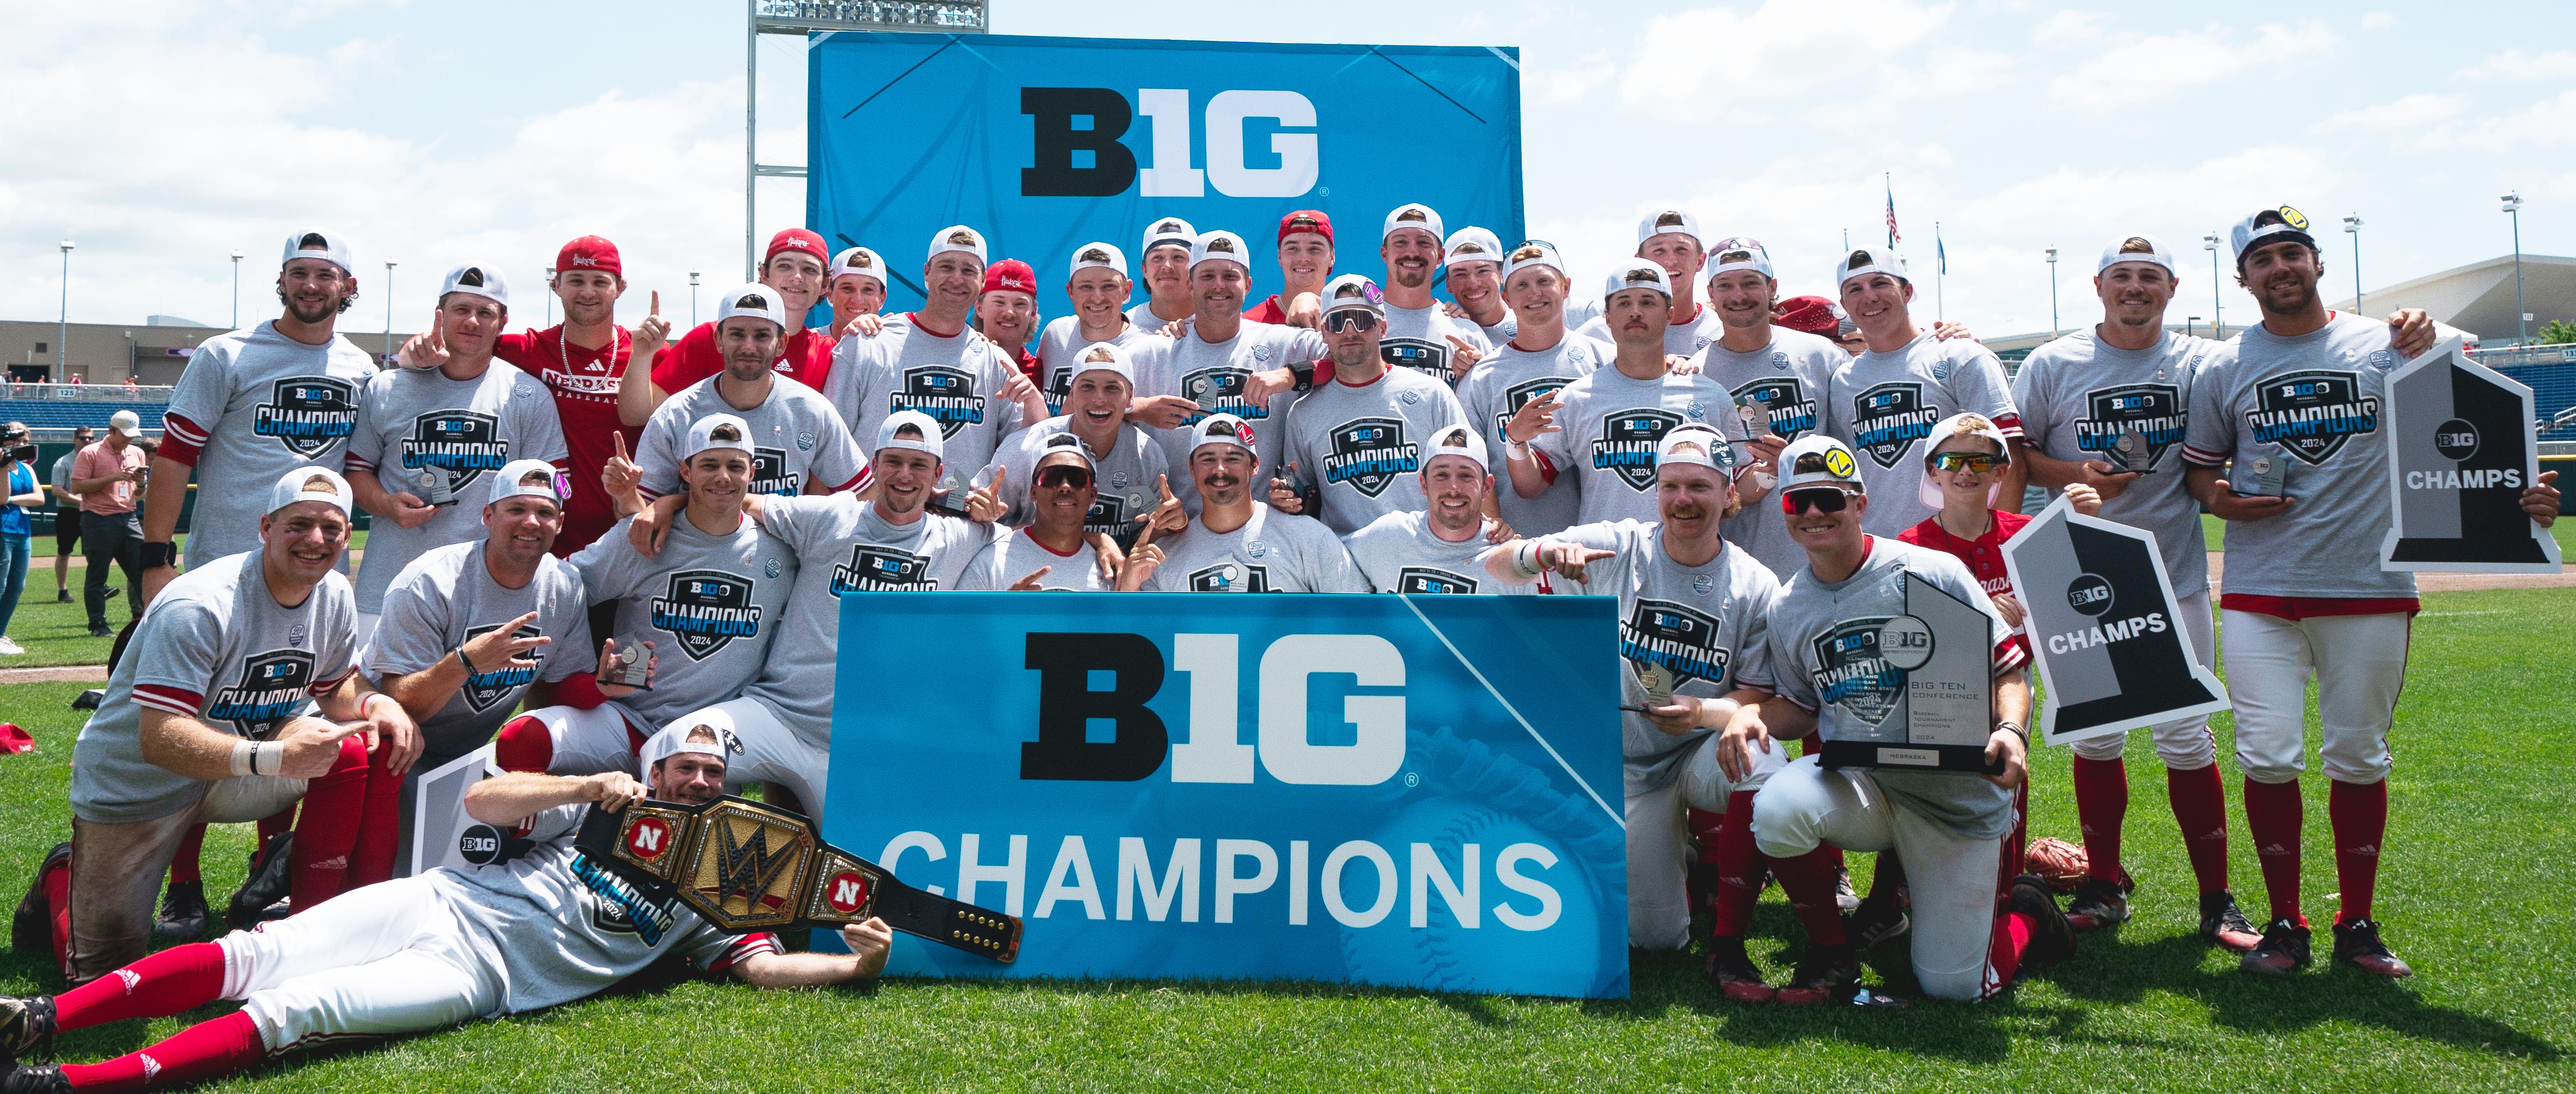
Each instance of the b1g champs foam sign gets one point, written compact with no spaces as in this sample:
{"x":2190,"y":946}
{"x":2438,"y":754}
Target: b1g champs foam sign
{"x":1411,"y":791}
{"x":1045,"y":144}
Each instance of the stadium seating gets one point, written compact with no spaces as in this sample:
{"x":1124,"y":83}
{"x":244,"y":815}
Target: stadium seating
{"x":70,"y":414}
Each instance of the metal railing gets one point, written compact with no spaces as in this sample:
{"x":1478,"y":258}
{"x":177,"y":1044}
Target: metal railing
{"x":89,"y":393}
{"x":2553,"y":354}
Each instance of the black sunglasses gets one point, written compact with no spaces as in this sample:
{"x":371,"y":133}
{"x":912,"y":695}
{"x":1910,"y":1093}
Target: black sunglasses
{"x":1823,"y":501}
{"x":1337,"y":322}
{"x":1073,"y":477}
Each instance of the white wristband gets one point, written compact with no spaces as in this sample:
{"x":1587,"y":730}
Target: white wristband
{"x":243,"y":752}
{"x":1525,"y":558}
{"x":1518,"y":450}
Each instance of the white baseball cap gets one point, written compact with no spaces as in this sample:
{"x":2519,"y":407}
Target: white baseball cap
{"x":1223,"y":429}
{"x":482,"y":281}
{"x":1664,"y":221}
{"x":1819,"y":460}
{"x":1104,"y":357}
{"x":703,"y":435}
{"x":1532,"y":254}
{"x":1097,"y":255}
{"x":1063,"y":442}
{"x":860,"y":261}
{"x":1219,"y":247}
{"x":1473,"y":244}
{"x":958,"y":238}
{"x":311,"y":482}
{"x":755,"y":300}
{"x":1356,"y":292}
{"x":125,"y":424}
{"x":1960,"y":425}
{"x":1713,"y":452}
{"x":2137,"y":248}
{"x":1460,"y":441}
{"x":1738,"y":253}
{"x":1414,"y":214}
{"x":1170,"y":232}
{"x":512,"y":482}
{"x":324,"y":245}
{"x":714,"y":725}
{"x":1636,"y":274}
{"x":931,"y":439}
{"x":2260,"y":228}
{"x":1868,"y":260}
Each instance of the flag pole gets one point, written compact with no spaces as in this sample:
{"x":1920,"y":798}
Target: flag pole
{"x":1940,"y":267}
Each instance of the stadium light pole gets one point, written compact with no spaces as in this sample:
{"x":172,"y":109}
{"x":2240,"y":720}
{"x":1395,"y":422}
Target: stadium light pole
{"x":389,"y":310}
{"x":550,"y":298}
{"x":2052,"y":292}
{"x":2521,"y":318}
{"x":63,"y":323}
{"x":2352,"y":227}
{"x":237,"y":256}
{"x":693,"y":299}
{"x":2217,"y":307}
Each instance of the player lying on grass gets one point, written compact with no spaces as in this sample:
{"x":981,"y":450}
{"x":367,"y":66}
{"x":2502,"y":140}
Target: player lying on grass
{"x":540,"y":927}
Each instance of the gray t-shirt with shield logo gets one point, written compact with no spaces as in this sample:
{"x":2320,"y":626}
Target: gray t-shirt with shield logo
{"x":1608,"y":425}
{"x":1362,"y":446}
{"x":711,"y":605}
{"x":799,"y":444}
{"x":843,"y":547}
{"x":1273,"y":552}
{"x":446,"y":598}
{"x":1399,"y":553}
{"x":255,"y":404}
{"x":1417,"y":340}
{"x":2087,"y":401}
{"x":1884,"y":405}
{"x":421,"y":432}
{"x":957,"y":379}
{"x":1496,"y":390}
{"x":1784,"y":384}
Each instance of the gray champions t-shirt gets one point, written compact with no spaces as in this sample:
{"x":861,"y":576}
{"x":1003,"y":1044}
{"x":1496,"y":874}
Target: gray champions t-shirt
{"x":1214,"y":375}
{"x":1012,"y":555}
{"x":414,"y":425}
{"x":1363,"y":445}
{"x":956,"y":379}
{"x":1784,"y":383}
{"x":711,"y":605}
{"x":251,"y":406}
{"x":1057,"y":344}
{"x":1417,"y":340}
{"x":1497,"y":388}
{"x":799,"y":444}
{"x":447,"y":597}
{"x":1885,"y":404}
{"x":2079,"y":398}
{"x":1608,"y":424}
{"x":1824,"y":654}
{"x":214,"y":646}
{"x":1126,"y":477}
{"x":844,"y":548}
{"x":1273,"y":552}
{"x":1399,"y":553}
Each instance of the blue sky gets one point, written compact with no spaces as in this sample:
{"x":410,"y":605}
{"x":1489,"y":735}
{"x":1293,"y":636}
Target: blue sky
{"x":163,"y":134}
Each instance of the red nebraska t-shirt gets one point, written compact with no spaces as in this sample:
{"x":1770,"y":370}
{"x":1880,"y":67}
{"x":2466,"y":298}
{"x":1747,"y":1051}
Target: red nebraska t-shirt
{"x":1984,"y":554}
{"x":808,"y":359}
{"x":585,"y":390}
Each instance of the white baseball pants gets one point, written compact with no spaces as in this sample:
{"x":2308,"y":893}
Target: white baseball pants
{"x":2359,"y":664}
{"x":1659,"y":914}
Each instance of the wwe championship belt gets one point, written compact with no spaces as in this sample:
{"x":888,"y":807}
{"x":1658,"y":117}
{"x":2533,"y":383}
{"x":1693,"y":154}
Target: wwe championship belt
{"x":744,"y":866}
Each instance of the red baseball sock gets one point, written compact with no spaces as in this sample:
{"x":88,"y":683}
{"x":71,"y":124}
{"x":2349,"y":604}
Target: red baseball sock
{"x":524,"y":744}
{"x":2010,"y":940}
{"x":275,"y":823}
{"x":2200,"y":810}
{"x":2101,"y":803}
{"x":2272,"y":815}
{"x":58,"y":902}
{"x":1733,"y":852}
{"x":1808,"y":879}
{"x":1704,"y":829}
{"x":2359,"y":814}
{"x":170,"y":982}
{"x":183,"y":865}
{"x":218,"y":1046}
{"x":327,"y":832}
{"x":380,"y":823}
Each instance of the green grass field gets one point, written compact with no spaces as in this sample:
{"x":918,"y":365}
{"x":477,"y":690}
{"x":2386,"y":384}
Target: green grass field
{"x":2479,"y":769}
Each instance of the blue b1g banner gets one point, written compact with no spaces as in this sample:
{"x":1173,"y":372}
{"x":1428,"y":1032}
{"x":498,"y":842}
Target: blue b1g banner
{"x":1045,"y":144}
{"x":1409,"y":791}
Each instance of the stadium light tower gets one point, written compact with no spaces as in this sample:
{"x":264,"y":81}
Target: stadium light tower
{"x":2217,"y":314}
{"x":389,"y":311}
{"x":2052,"y":292}
{"x":237,"y":290}
{"x":2521,"y":318}
{"x":2352,"y":227}
{"x":550,"y":298}
{"x":63,"y":324}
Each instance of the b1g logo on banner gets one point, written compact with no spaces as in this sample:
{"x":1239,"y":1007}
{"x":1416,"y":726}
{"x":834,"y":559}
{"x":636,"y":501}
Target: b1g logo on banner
{"x":1421,"y":792}
{"x":2462,"y":446}
{"x":1049,"y":143}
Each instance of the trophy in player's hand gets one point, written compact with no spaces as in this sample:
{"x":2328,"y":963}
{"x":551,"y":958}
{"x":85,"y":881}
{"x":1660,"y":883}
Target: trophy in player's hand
{"x":2262,"y":473}
{"x":2132,"y":447}
{"x":429,"y":484}
{"x":628,"y":664}
{"x":1756,"y":412}
{"x":1658,"y":682}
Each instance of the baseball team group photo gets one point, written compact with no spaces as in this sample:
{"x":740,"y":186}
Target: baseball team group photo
{"x":525,"y":649}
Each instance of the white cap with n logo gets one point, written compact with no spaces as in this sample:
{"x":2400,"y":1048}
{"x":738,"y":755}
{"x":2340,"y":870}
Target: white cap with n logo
{"x":1413,"y":215}
{"x":316,"y":243}
{"x":1171,"y":232}
{"x":1869,"y":260}
{"x":310,"y":483}
{"x":1663,"y":221}
{"x":860,"y":261}
{"x":717,"y":431}
{"x":2137,"y":248}
{"x":1637,"y":274}
{"x":529,"y":478}
{"x":1473,"y":244}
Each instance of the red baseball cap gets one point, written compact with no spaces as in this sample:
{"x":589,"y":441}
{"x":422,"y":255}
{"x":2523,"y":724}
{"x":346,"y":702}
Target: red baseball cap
{"x":1306,"y":220}
{"x":589,"y":253}
{"x":1010,"y":275}
{"x":1812,"y":314}
{"x":798,"y":239}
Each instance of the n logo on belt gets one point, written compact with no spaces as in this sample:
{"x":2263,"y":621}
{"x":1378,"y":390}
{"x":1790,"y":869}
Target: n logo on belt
{"x":307,"y":414}
{"x":1368,"y":454}
{"x":705,"y":610}
{"x":2312,"y":412}
{"x":1627,"y":445}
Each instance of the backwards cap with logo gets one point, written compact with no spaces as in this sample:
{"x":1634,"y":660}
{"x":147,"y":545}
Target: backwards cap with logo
{"x":1738,"y":253}
{"x":1098,"y":255}
{"x":1869,"y":260}
{"x":2137,"y":248}
{"x":2268,"y":226}
{"x":1473,"y":244}
{"x":482,"y":281}
{"x":1223,"y":429}
{"x":310,"y":483}
{"x":1354,"y":292}
{"x":717,"y":431}
{"x":316,"y":243}
{"x":1104,"y":357}
{"x":1459,"y":441}
{"x":1414,"y":215}
{"x":1638,"y":274}
{"x":754,"y":301}
{"x":1531,"y":254}
{"x":1306,"y":221}
{"x":703,"y":738}
{"x":1698,"y":445}
{"x":958,"y":238}
{"x":1169,"y":232}
{"x":1661,"y":221}
{"x":928,"y":439}
{"x":1817,"y":460}
{"x":1960,"y":425}
{"x":1220,"y":247}
{"x":1061,"y":444}
{"x":594,"y":253}
{"x":860,"y":261}
{"x":529,"y":478}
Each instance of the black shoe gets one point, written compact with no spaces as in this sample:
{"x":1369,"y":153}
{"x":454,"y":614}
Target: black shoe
{"x":1733,"y":972}
{"x":1701,"y":885}
{"x":2357,"y":944}
{"x":2053,"y":938}
{"x":26,"y":1028}
{"x":2097,"y":905}
{"x":183,"y":912}
{"x":2284,"y":950}
{"x":31,"y":932}
{"x":2222,"y":922}
{"x":266,"y":884}
{"x":1876,"y":920}
{"x":23,"y":1079}
{"x":1845,"y":897}
{"x":1828,"y":974}
{"x":101,"y":630}
{"x":62,"y":596}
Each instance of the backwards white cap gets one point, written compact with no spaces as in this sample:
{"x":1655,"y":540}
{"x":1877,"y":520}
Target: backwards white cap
{"x":710,"y":734}
{"x":1413,"y":214}
{"x":1960,"y":425}
{"x":1711,"y":452}
{"x":2265,"y":224}
{"x":1169,"y":231}
{"x":1637,"y":274}
{"x":1223,"y":429}
{"x":1220,"y":247}
{"x":1868,"y":260}
{"x":755,"y":300}
{"x":2137,"y":248}
{"x":1456,"y":440}
{"x":860,"y":261}
{"x":1473,"y":244}
{"x":513,"y":481}
{"x":1098,"y":255}
{"x":1819,"y":460}
{"x":1738,"y":253}
{"x":1064,"y":442}
{"x":1354,"y":291}
{"x":482,"y":281}
{"x":1663,"y":221}
{"x":1532,"y":254}
{"x":311,"y":482}
{"x":716,"y":431}
{"x":959,"y":238}
{"x":931,"y":439}
{"x":315,"y":243}
{"x":1104,"y":357}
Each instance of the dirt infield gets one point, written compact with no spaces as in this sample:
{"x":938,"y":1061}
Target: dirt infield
{"x":2448,"y":583}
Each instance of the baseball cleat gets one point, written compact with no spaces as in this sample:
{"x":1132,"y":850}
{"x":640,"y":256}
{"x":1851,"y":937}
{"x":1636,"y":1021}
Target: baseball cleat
{"x":31,"y":931}
{"x":2284,"y":950}
{"x":25,"y":1079}
{"x":1845,"y":897}
{"x":2222,"y":922}
{"x":1828,"y":974}
{"x":2097,"y":905}
{"x":183,"y":912}
{"x":2052,"y":938}
{"x":2357,"y":944}
{"x":1876,"y":920}
{"x":26,"y":1028}
{"x":1733,"y":972}
{"x":266,"y":884}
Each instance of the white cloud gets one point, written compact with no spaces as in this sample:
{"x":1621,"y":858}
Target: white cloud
{"x":2545,"y":124}
{"x":2517,"y":64}
{"x":2412,"y":112}
{"x":2378,"y":20}
{"x":2143,"y":68}
{"x":2068,"y":28}
{"x":1556,"y":85}
{"x":1779,"y":50}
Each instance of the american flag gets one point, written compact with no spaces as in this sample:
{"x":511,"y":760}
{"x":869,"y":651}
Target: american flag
{"x":1892,"y":237}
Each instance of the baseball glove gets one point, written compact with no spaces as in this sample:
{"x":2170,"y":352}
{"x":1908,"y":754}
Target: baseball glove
{"x":2057,"y":862}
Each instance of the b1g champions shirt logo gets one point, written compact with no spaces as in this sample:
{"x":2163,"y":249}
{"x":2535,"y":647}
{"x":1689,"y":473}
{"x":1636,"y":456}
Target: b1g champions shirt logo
{"x":946,"y":394}
{"x":307,"y":414}
{"x":2312,"y":412}
{"x":1418,"y":354}
{"x":269,"y":689}
{"x":1889,"y":418}
{"x":1432,"y":579}
{"x":2153,"y":412}
{"x":1626,"y":447}
{"x":482,"y":689}
{"x":875,"y":569}
{"x":1675,"y":636}
{"x":705,"y":610}
{"x":769,"y":473}
{"x":463,"y":443}
{"x":1850,"y":673}
{"x":1368,"y":454}
{"x":1517,"y":395}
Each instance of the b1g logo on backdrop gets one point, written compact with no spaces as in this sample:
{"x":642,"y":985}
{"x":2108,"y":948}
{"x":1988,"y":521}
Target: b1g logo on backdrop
{"x":1078,"y":153}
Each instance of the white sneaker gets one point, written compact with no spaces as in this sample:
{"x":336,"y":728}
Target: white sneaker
{"x":9,"y":648}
